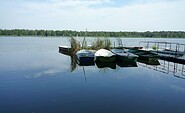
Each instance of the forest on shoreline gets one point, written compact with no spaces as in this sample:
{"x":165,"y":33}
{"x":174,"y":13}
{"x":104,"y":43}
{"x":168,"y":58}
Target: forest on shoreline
{"x":45,"y":33}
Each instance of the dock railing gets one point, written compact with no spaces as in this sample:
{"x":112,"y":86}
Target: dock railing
{"x":168,"y":48}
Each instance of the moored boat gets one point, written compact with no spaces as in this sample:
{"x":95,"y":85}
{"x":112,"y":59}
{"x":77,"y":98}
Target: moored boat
{"x":85,"y":57}
{"x":65,"y":50}
{"x":150,"y":61}
{"x":123,"y":55}
{"x":144,"y":54}
{"x":104,"y":55}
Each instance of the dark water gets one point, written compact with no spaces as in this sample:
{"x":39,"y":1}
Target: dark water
{"x":36,"y":78}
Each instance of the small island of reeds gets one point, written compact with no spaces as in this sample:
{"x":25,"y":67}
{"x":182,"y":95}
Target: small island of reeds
{"x":96,"y":45}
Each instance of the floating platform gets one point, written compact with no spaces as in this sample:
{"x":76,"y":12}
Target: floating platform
{"x":170,"y":51}
{"x":172,"y":58}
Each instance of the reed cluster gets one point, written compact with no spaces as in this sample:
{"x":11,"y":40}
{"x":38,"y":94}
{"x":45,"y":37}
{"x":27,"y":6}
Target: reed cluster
{"x":101,"y":43}
{"x":98,"y":44}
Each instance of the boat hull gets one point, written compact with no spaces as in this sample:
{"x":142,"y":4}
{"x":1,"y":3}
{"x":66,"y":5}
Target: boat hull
{"x":104,"y":55}
{"x":126,"y":59}
{"x":150,"y":61}
{"x":122,"y":55}
{"x":85,"y":60}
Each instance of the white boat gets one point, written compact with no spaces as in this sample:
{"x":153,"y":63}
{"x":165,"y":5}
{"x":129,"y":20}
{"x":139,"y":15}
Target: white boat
{"x":104,"y":55}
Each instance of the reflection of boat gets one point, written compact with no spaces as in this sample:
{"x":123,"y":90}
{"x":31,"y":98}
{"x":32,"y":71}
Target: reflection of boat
{"x":111,"y":65}
{"x":86,"y":63}
{"x":104,"y":55}
{"x":126,"y":64}
{"x":123,"y":55}
{"x":64,"y":50}
{"x":85,"y":56}
{"x":149,"y":61}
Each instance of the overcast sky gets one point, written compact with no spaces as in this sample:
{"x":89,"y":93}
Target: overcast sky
{"x":95,"y":15}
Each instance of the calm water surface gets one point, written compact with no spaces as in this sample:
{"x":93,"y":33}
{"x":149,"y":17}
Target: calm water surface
{"x":36,"y":78}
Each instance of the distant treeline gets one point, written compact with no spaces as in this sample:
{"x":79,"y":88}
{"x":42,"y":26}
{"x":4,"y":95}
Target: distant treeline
{"x":155,"y":34}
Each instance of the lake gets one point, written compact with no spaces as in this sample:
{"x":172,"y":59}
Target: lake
{"x":36,"y":78}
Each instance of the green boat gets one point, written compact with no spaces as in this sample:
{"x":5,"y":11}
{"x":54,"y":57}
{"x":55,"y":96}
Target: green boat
{"x":123,"y":55}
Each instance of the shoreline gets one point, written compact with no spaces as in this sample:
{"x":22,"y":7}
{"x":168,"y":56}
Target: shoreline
{"x":99,"y":34}
{"x":88,"y":37}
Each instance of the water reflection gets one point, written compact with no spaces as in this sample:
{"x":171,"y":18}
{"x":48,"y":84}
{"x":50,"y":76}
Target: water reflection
{"x":111,"y":65}
{"x":85,"y":77}
{"x":163,"y":66}
{"x":73,"y":63}
{"x":73,"y":58}
{"x":167,"y":67}
{"x":126,"y":64}
{"x":85,"y":63}
{"x":82,"y":88}
{"x":149,"y":61}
